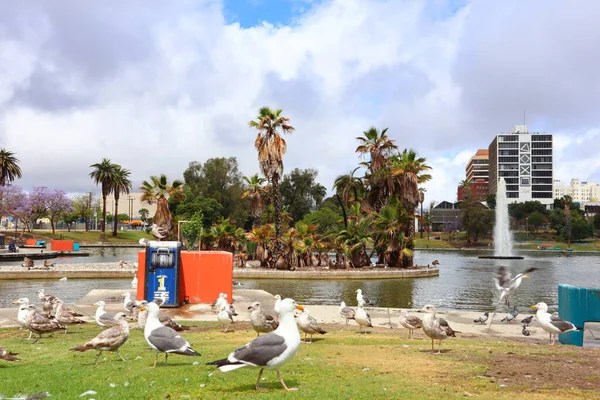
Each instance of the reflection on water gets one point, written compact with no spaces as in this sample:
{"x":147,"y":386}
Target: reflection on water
{"x":465,"y":282}
{"x":70,"y":291}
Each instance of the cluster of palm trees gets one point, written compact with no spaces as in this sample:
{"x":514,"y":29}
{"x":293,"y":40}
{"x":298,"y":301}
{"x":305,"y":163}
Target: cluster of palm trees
{"x":378,"y":208}
{"x":114,"y":179}
{"x":9,"y":167}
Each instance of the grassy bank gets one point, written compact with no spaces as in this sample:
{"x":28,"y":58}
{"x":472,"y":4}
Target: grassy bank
{"x":342,"y":364}
{"x":84,"y":237}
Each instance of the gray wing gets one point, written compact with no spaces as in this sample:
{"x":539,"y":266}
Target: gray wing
{"x":261,"y":350}
{"x":130,"y":306}
{"x":107,"y":319}
{"x":529,"y":270}
{"x":167,"y":340}
{"x":415,"y":321}
{"x":561,"y":324}
{"x":348,"y":312}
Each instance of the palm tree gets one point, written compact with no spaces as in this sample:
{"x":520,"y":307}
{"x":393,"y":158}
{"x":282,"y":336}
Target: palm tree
{"x":409,"y":172}
{"x":347,"y":189}
{"x":271,"y":147}
{"x":379,"y":148}
{"x":466,"y":184}
{"x":157,"y":190}
{"x":120,"y":184}
{"x":9,"y":167}
{"x":103,"y":174}
{"x":255,"y":193}
{"x":422,"y":191}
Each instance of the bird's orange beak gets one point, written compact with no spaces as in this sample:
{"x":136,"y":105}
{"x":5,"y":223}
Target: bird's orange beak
{"x":95,"y":304}
{"x":526,"y":276}
{"x":299,"y":307}
{"x":534,"y":307}
{"x":15,"y":302}
{"x":143,"y":309}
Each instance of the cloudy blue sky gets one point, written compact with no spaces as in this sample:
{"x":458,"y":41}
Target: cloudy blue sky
{"x":154,"y":84}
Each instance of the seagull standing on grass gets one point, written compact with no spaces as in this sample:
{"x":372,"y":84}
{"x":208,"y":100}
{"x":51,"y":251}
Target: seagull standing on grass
{"x":347,"y":312}
{"x":103,"y":318}
{"x":261,"y":321}
{"x":551,"y":323}
{"x":410,"y":322}
{"x":309,"y":325}
{"x":23,"y":313}
{"x":128,"y":304}
{"x":110,"y":339}
{"x":225,"y":317}
{"x":436,"y":328}
{"x":270,"y":351}
{"x":362,"y":318}
{"x":162,"y":338}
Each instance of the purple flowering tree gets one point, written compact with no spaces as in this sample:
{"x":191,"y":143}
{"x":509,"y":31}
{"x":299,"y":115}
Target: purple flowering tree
{"x":50,"y":203}
{"x":14,"y":202}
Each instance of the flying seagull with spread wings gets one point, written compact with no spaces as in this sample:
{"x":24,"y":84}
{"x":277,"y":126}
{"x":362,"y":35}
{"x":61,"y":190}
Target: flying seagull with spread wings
{"x":506,"y":285}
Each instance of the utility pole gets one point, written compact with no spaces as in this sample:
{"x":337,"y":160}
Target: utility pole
{"x":89,"y":220}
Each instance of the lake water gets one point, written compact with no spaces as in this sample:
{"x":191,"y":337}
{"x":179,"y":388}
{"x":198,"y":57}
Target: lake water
{"x":465,"y":282}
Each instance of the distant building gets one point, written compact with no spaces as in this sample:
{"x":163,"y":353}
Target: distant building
{"x":477,"y":172}
{"x":128,"y":204}
{"x":447,"y":216}
{"x":580,"y":192}
{"x":525,"y":161}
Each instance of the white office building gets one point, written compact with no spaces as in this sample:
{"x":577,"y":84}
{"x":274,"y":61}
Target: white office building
{"x":525,"y":161}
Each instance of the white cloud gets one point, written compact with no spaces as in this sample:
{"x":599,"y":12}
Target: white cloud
{"x":155,"y":85}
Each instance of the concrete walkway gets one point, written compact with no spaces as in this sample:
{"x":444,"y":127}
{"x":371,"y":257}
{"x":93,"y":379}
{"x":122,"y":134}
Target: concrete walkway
{"x":461,"y":321}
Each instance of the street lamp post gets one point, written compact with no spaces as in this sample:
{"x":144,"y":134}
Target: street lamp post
{"x":130,"y":204}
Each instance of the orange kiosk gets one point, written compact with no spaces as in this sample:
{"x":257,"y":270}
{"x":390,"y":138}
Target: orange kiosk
{"x":203,"y":275}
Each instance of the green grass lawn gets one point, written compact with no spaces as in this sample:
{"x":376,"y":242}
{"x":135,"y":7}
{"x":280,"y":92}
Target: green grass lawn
{"x":90,"y":237}
{"x":340,"y":365}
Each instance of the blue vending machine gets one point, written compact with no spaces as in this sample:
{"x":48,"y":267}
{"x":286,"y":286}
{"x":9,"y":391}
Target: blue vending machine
{"x":163,"y":261}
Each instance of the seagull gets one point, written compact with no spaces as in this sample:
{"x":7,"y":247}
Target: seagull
{"x":48,"y":300}
{"x":525,"y":331}
{"x":110,"y":339}
{"x":48,"y":264}
{"x":134,"y":282}
{"x":482,"y":320}
{"x":435,"y":262}
{"x":361,"y":300}
{"x":159,"y":232}
{"x":362,"y":318}
{"x":65,"y":317}
{"x":527,"y":321}
{"x":7,"y":355}
{"x":162,"y":338}
{"x":277,"y":299}
{"x":123,"y":264}
{"x":102,"y":317}
{"x":436,"y":328}
{"x":23,"y":313}
{"x":309,"y":325}
{"x":142,"y":316}
{"x":216,"y":305}
{"x":261,"y":321}
{"x":551,"y":323}
{"x":127,"y":303}
{"x":225,"y":317}
{"x":346,"y":312}
{"x":510,"y":316}
{"x":270,"y":351}
{"x":410,"y":322}
{"x":506,"y":285}
{"x":40,"y":324}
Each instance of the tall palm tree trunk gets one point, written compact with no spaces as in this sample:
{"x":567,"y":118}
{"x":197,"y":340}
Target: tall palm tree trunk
{"x":103,"y":230}
{"x":116,"y":216}
{"x":279,"y":247}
